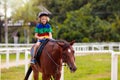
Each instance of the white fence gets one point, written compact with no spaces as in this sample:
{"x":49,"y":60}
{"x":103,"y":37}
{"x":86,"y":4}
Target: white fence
{"x":92,"y":48}
{"x":17,"y":51}
{"x":97,"y":46}
{"x":80,"y":49}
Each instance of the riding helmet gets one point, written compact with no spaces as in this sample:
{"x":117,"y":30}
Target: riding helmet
{"x":43,"y":14}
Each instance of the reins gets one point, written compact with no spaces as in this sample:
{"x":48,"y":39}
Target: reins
{"x":52,"y":59}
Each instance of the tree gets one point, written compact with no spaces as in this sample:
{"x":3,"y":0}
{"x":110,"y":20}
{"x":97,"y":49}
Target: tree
{"x":82,"y":20}
{"x":77,"y":24}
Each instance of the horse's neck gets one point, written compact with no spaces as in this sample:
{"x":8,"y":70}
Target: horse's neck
{"x":56,"y":52}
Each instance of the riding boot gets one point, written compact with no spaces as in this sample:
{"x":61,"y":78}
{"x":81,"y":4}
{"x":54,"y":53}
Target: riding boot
{"x":33,"y":53}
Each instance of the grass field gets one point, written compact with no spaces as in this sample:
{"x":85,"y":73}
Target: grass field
{"x":89,"y":67}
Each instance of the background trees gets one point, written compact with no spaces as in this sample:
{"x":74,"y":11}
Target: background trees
{"x":80,"y":20}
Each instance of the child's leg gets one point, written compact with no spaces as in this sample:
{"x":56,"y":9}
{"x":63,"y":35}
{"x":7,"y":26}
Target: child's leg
{"x":35,"y":51}
{"x":36,"y":47}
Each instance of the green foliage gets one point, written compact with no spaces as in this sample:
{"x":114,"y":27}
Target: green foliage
{"x":90,"y":26}
{"x":26,"y":13}
{"x":85,"y":40}
{"x":94,"y":20}
{"x":78,"y":24}
{"x":59,"y":8}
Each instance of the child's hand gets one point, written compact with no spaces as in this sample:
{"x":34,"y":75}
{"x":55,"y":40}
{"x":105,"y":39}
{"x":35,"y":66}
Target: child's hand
{"x":41,"y":37}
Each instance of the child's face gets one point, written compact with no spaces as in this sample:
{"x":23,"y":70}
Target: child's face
{"x":43,"y":19}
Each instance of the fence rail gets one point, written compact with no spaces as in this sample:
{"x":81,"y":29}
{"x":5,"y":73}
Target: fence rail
{"x":87,"y":46}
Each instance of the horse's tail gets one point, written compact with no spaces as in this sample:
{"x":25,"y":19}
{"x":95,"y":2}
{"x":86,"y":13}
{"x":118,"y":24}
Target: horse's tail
{"x":28,"y":73}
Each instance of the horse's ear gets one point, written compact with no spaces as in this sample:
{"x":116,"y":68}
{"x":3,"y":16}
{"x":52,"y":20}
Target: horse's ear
{"x":60,"y":44}
{"x":72,"y":42}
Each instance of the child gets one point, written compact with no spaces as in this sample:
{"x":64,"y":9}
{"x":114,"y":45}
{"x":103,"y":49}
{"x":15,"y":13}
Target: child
{"x":42,"y":31}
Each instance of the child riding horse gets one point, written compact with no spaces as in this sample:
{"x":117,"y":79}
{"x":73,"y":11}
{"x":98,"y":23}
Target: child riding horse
{"x":42,"y":31}
{"x":53,"y":55}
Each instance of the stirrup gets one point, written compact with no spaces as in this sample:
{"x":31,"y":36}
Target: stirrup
{"x":33,"y":61}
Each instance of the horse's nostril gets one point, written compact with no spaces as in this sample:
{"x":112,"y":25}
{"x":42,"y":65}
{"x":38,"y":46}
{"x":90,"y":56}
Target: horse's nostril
{"x":70,"y":68}
{"x":75,"y":68}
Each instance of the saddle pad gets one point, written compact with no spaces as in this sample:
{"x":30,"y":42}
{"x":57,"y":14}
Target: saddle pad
{"x":39,"y":52}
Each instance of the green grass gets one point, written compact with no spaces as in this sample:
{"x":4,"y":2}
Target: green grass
{"x":14,"y":73}
{"x":89,"y":67}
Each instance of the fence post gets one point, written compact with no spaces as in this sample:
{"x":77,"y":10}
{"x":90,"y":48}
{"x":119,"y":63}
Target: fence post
{"x":17,"y":57}
{"x":7,"y":59}
{"x":26,"y":61}
{"x":62,"y":73}
{"x":26,"y":64}
{"x":114,"y":65}
{"x":92,"y":47}
{"x":110,"y":47}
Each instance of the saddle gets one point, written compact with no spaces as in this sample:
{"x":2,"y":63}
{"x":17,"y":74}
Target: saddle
{"x":39,"y":52}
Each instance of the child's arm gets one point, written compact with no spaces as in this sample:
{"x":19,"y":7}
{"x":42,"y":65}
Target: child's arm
{"x":50,"y":35}
{"x":36,"y":36}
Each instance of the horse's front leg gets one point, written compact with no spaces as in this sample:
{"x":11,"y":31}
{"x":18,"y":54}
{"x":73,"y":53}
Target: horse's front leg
{"x":35,"y":72}
{"x":57,"y":76}
{"x":46,"y":76}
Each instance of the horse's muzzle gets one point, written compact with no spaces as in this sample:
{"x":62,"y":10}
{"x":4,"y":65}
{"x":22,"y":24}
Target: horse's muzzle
{"x":73,"y":69}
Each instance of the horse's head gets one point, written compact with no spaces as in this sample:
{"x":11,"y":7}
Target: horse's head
{"x":68,"y":54}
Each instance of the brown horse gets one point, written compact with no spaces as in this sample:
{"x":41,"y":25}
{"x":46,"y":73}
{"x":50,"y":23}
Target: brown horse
{"x":54,"y":53}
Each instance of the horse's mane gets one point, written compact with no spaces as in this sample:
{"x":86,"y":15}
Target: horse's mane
{"x":66,"y":44}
